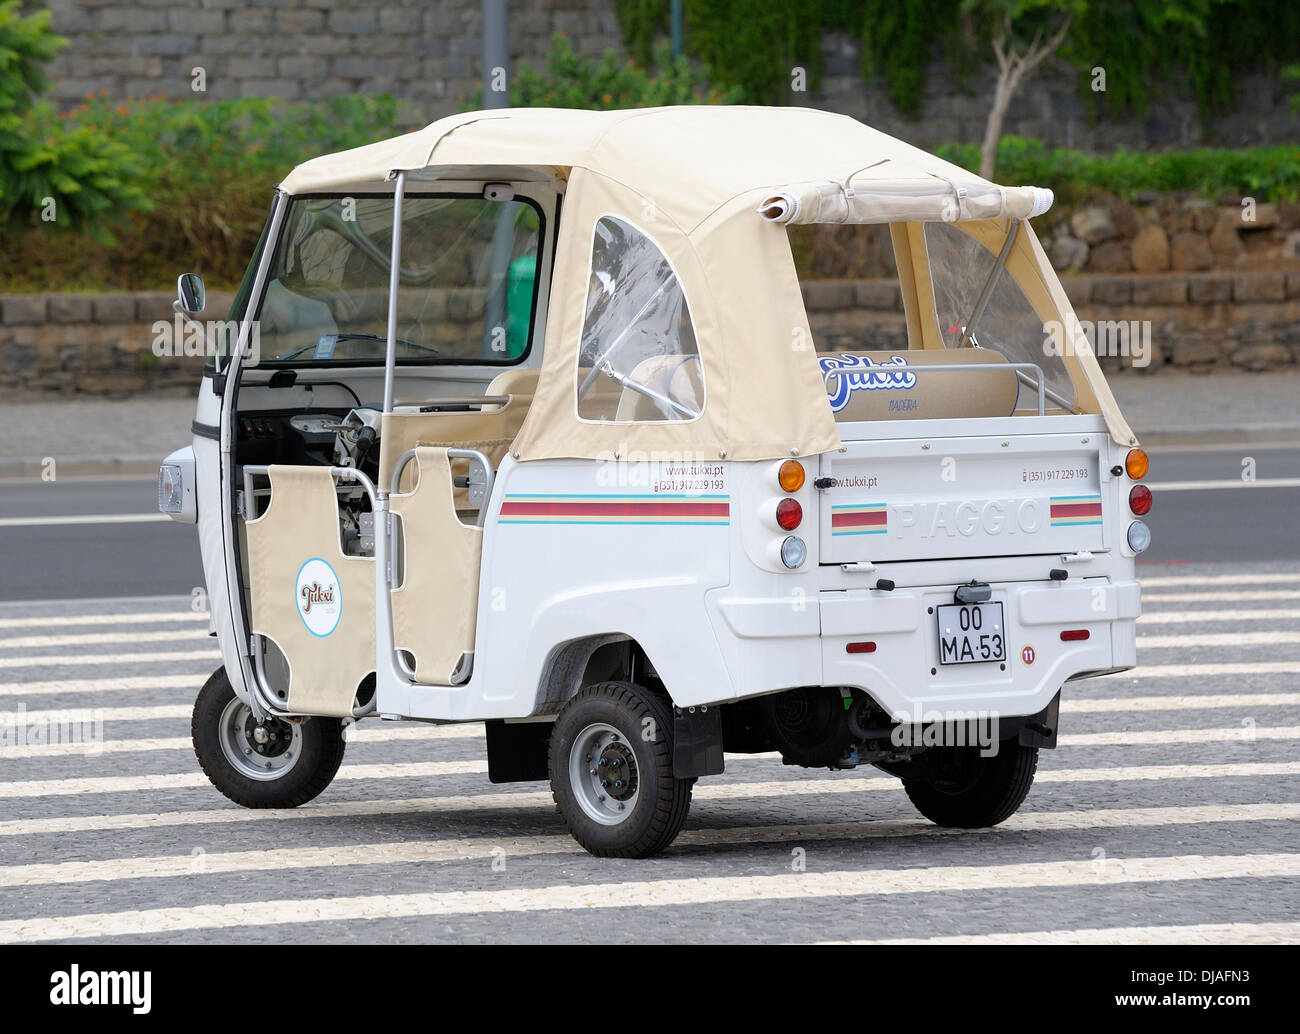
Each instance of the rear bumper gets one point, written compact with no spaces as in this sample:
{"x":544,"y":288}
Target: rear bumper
{"x":903,"y":674}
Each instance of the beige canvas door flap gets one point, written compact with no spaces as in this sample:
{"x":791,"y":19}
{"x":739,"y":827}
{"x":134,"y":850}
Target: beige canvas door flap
{"x":314,"y":602}
{"x":436,"y":607}
{"x":491,"y":429}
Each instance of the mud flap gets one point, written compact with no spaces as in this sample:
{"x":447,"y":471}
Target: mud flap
{"x":517,"y":751}
{"x":1032,"y":733}
{"x":697,"y":742}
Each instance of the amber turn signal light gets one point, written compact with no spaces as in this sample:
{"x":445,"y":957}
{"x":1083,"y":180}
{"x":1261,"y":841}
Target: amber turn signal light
{"x":791,"y":476}
{"x":1137,"y":464}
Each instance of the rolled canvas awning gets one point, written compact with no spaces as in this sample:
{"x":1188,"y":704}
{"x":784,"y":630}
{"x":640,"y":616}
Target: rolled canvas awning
{"x":902,"y":201}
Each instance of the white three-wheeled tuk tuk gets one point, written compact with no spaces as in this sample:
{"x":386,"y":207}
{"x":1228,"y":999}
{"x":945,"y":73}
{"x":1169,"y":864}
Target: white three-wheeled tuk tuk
{"x":522,"y":422}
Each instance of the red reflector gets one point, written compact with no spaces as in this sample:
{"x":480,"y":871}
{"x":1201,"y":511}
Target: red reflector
{"x":1074,"y":635}
{"x":1139,"y":499}
{"x":861,"y":648}
{"x":789,"y":513}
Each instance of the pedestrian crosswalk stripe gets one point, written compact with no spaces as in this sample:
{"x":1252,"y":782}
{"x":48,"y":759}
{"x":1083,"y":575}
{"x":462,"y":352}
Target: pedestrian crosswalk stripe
{"x":66,"y":660}
{"x":1203,"y":639}
{"x":1171,"y":617}
{"x":1194,"y":933}
{"x":1245,"y":596}
{"x":105,"y":685}
{"x":65,"y":639}
{"x":800,"y":787}
{"x":1165,"y":671}
{"x":1198,"y":702}
{"x":1162,"y":581}
{"x":410,"y":852}
{"x":189,"y":617}
{"x":658,"y":894}
{"x":1132,"y":737}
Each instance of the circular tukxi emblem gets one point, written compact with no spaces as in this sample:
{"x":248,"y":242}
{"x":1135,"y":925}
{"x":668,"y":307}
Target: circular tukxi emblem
{"x":319,"y":599}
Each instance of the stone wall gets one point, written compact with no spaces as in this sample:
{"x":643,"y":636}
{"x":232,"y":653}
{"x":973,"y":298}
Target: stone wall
{"x":1185,"y":235}
{"x":64,"y":344}
{"x":428,"y":52}
{"x":1199,"y":321}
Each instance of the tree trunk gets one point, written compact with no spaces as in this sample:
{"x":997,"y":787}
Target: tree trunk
{"x":997,"y":118}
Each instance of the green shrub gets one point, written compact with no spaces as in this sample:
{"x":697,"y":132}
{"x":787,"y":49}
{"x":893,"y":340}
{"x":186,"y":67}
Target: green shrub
{"x":205,"y":171}
{"x":574,"y":81}
{"x":1267,"y":173}
{"x":65,"y":176}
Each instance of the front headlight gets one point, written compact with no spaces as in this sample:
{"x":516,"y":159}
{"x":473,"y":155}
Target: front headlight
{"x":171,"y":489}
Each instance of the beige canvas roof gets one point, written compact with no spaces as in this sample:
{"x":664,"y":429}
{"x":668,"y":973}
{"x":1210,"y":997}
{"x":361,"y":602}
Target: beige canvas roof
{"x":713,"y":187}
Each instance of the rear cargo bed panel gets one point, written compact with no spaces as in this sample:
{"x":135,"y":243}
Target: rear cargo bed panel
{"x":901,"y":499}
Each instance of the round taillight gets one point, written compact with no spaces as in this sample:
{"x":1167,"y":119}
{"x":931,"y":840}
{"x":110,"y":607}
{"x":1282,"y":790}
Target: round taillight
{"x":1137,"y":464}
{"x":789,"y":514}
{"x":1139,"y":499}
{"x":1139,"y":536}
{"x":794,"y":551}
{"x":791,"y":476}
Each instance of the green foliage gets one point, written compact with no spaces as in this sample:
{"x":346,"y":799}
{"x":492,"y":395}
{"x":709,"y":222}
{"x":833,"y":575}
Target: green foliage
{"x":898,"y":44}
{"x":1267,"y":173}
{"x":70,"y":176}
{"x":67,"y":175}
{"x":574,"y":81}
{"x":1206,"y":44}
{"x":756,"y":44}
{"x":641,"y":21}
{"x":199,"y":175}
{"x":26,"y":45}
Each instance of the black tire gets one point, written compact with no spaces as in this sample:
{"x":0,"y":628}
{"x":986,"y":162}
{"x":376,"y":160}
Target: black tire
{"x":317,"y":742}
{"x":662,"y":802}
{"x":957,"y":787}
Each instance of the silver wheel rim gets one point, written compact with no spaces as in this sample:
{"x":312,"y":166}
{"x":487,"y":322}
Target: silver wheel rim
{"x":604,"y":775}
{"x":264,"y":761}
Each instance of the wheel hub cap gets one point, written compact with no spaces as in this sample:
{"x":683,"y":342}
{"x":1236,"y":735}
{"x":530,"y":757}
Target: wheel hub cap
{"x":603,"y":774}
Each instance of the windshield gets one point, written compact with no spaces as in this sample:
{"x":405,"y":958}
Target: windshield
{"x":467,"y":286}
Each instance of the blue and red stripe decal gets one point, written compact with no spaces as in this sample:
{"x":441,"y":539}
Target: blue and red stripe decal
{"x":616,"y":509}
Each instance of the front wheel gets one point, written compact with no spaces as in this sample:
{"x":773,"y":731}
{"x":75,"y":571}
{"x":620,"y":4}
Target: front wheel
{"x":276,"y":764}
{"x":961,"y":788}
{"x":611,"y":768}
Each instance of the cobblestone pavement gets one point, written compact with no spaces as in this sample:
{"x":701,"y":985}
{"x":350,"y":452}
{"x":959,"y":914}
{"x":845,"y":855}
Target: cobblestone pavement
{"x":1168,"y":813}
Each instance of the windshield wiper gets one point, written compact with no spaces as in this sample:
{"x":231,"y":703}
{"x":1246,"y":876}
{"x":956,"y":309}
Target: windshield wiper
{"x":358,"y":337}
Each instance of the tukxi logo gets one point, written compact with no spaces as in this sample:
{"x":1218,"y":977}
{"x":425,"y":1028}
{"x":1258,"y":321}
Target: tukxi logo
{"x":96,"y":987}
{"x":860,"y":373}
{"x":317,"y":594}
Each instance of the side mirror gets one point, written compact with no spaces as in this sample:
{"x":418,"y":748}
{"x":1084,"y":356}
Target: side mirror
{"x":189,"y":289}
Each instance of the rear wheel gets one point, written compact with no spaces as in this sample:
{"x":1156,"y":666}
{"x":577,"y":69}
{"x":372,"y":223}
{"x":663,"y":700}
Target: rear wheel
{"x":958,"y":787}
{"x":273,"y":764}
{"x":611,"y":768}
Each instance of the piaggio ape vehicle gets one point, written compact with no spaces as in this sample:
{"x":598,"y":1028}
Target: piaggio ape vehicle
{"x":522,"y":422}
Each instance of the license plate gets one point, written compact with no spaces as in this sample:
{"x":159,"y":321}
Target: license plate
{"x":971,"y":633}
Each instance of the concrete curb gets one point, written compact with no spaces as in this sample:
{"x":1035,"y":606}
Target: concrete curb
{"x":1250,"y":434}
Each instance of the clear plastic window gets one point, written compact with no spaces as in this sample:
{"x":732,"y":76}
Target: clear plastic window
{"x":959,"y":268}
{"x":638,"y":360}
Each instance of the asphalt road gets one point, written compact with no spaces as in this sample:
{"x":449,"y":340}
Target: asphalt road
{"x":1167,"y":814}
{"x":1230,"y":521}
